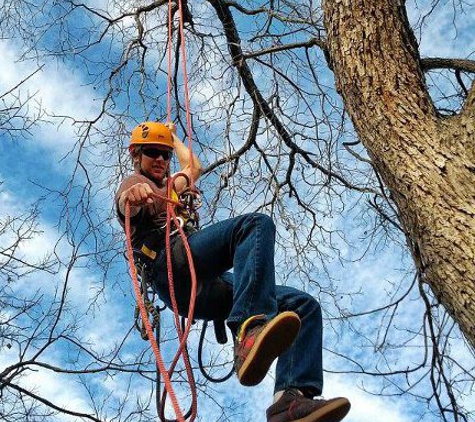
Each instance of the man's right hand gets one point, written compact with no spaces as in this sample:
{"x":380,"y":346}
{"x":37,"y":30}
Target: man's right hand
{"x":138,"y":195}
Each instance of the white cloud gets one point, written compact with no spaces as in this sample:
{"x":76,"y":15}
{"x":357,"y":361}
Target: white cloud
{"x":61,"y":390}
{"x":9,"y":204}
{"x":56,"y":89}
{"x":366,"y":407}
{"x":447,"y":31}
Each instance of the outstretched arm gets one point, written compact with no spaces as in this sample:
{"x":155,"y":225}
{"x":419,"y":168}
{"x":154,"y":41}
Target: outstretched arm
{"x":192,"y":169}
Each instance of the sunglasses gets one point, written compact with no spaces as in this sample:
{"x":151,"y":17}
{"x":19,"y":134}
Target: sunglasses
{"x":155,"y":153}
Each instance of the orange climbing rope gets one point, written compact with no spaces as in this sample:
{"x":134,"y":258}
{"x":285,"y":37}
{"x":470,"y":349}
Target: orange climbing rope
{"x":189,"y":129}
{"x":182,"y":335}
{"x":171,"y":217}
{"x":144,"y":316}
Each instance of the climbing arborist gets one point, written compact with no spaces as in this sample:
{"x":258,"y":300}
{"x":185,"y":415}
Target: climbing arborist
{"x":268,"y":321}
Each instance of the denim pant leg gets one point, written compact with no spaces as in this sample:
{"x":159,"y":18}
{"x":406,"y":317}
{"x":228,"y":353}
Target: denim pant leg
{"x":244,"y":243}
{"x":301,"y":365}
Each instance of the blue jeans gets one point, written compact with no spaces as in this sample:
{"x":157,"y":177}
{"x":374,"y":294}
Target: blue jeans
{"x":246,"y":244}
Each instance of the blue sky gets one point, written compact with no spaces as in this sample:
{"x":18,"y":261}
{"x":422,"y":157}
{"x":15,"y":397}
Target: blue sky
{"x":39,"y":164}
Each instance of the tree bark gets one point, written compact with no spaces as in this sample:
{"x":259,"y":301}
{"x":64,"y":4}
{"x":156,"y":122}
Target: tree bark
{"x":426,"y":161}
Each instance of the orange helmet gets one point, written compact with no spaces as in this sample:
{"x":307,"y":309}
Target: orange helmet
{"x":151,"y":133}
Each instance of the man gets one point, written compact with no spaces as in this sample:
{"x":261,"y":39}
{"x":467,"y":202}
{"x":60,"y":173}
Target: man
{"x":268,"y":321}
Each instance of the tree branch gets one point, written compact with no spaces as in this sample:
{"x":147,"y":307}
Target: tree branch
{"x":239,"y":61}
{"x":50,"y":404}
{"x":251,"y":139}
{"x":441,"y":63}
{"x":269,"y":11}
{"x":307,"y":44}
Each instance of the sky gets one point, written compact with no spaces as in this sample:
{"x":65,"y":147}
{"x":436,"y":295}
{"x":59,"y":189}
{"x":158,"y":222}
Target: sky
{"x":101,"y":303}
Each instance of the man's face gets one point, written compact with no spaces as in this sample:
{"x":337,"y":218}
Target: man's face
{"x":155,"y":160}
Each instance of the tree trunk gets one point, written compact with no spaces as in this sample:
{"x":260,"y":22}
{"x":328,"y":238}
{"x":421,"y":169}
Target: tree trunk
{"x":427,"y":162}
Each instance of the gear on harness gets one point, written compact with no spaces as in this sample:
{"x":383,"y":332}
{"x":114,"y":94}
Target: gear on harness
{"x":148,"y":298}
{"x":190,"y":198}
{"x":188,"y":202}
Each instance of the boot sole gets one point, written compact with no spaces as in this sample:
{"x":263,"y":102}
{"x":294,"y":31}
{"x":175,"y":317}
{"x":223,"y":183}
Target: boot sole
{"x":275,"y":338}
{"x":333,"y":412}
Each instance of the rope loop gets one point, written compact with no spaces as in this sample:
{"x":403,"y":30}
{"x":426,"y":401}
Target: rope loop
{"x":143,"y":313}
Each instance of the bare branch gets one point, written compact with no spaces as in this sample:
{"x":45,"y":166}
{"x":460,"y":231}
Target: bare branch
{"x":443,"y":63}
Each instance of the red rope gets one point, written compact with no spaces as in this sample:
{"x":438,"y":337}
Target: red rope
{"x":144,"y":314}
{"x":187,"y":97}
{"x":167,"y":199}
{"x":182,"y":336}
{"x":169,"y":70}
{"x":171,"y":216}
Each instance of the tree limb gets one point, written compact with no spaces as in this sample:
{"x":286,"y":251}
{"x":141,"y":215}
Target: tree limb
{"x":238,"y":60}
{"x":50,"y":404}
{"x":441,"y":63}
{"x":306,"y":44}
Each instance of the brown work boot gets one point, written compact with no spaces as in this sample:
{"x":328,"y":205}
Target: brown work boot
{"x":260,"y":342}
{"x":295,"y":407}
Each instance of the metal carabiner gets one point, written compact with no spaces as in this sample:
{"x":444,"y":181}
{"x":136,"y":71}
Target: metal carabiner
{"x":181,"y":222}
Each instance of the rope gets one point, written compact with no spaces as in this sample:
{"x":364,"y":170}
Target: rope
{"x":187,"y":97}
{"x":200,"y":359}
{"x":169,"y":55}
{"x":189,"y":128}
{"x":171,"y":216}
{"x":144,"y":315}
{"x":167,"y":199}
{"x":182,"y":334}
